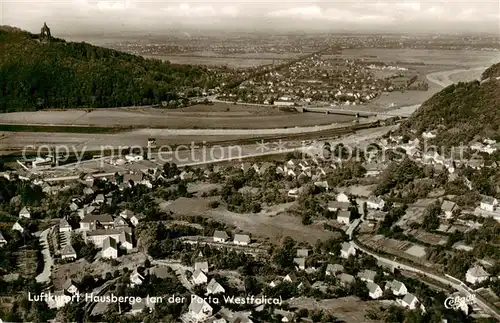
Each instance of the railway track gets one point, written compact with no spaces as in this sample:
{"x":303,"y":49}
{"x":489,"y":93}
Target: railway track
{"x":318,"y":135}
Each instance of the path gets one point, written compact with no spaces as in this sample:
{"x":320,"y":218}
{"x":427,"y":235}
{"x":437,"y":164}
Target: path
{"x":47,"y":258}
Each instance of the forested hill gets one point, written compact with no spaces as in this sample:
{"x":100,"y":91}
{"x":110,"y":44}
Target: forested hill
{"x":491,"y":72}
{"x":461,"y":111}
{"x":58,"y":74}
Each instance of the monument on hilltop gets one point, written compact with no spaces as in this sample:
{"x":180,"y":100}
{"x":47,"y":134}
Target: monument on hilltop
{"x":45,"y":33}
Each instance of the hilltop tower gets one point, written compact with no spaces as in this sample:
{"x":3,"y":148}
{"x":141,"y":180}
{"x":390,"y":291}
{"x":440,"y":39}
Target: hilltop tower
{"x":45,"y":33}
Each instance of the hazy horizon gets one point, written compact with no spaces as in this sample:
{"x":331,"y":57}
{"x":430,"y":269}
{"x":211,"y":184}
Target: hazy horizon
{"x":67,"y":17}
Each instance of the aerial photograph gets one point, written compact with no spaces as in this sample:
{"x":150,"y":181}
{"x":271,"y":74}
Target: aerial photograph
{"x":250,"y":162}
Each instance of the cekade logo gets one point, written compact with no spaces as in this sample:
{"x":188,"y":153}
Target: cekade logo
{"x":454,"y":303}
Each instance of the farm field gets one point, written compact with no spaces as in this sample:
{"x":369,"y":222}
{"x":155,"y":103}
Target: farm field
{"x":217,"y":116}
{"x":441,"y":58}
{"x":274,"y":224}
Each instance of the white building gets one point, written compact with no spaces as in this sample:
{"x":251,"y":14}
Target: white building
{"x":290,"y":278}
{"x":220,"y":236}
{"x":344,"y":217}
{"x":241,"y":239}
{"x":136,"y":278}
{"x":64,"y":226}
{"x":397,"y":287}
{"x":126,"y":214}
{"x":347,"y":250}
{"x":375,"y":203}
{"x":374,"y":290}
{"x":199,"y":309}
{"x":109,"y":248}
{"x":332,"y":270}
{"x":411,"y":302}
{"x":300,"y":263}
{"x":342,"y":197}
{"x":68,"y":252}
{"x":98,"y":236}
{"x":367,"y":275}
{"x":488,"y":203}
{"x":201,"y":265}
{"x":214,"y":287}
{"x":25,"y":213}
{"x":70,"y":287}
{"x":3,"y":241}
{"x":476,"y":275}
{"x":17,"y":227}
{"x":448,"y":207}
{"x":199,"y":277}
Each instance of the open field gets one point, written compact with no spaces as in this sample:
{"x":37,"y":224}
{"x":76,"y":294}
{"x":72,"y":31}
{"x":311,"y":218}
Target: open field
{"x":441,"y":58}
{"x":218,"y":116}
{"x":347,"y":309}
{"x":234,"y":60}
{"x":274,"y":224}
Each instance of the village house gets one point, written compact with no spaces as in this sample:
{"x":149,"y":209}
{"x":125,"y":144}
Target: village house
{"x":375,"y":203}
{"x":333,"y":269}
{"x":274,"y":283}
{"x":99,"y":199}
{"x":88,"y":191}
{"x":367,"y":275}
{"x":68,"y":252}
{"x":125,"y":240}
{"x":220,"y":236}
{"x":3,"y":241}
{"x":290,"y":278}
{"x":488,"y":203}
{"x":214,"y":287}
{"x":135,"y":219}
{"x":334,"y":206}
{"x":345,"y":279}
{"x":448,"y":207}
{"x":136,"y":278}
{"x":59,"y":300}
{"x":286,"y":316}
{"x":119,"y":222}
{"x":241,"y":239}
{"x":70,"y":287}
{"x":342,"y":197}
{"x":93,"y":221}
{"x":374,"y":290}
{"x":25,"y":213}
{"x":302,"y":253}
{"x":201,"y":265}
{"x":397,"y":287}
{"x":138,"y":307}
{"x":64,"y":226}
{"x":344,"y":217}
{"x":109,"y":248}
{"x":476,"y":274}
{"x":373,"y":169}
{"x":199,"y":309}
{"x":17,"y":227}
{"x":126,"y":214}
{"x":411,"y":302}
{"x":300,"y":263}
{"x":199,"y":277}
{"x":294,"y":192}
{"x":73,"y":207}
{"x":347,"y":250}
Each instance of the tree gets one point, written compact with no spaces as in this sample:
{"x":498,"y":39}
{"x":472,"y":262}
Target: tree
{"x":431,"y":217}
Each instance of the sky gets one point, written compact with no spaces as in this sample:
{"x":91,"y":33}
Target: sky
{"x":66,"y":17}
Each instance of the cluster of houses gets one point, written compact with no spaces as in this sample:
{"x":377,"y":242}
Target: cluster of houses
{"x":308,"y":81}
{"x":103,"y":230}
